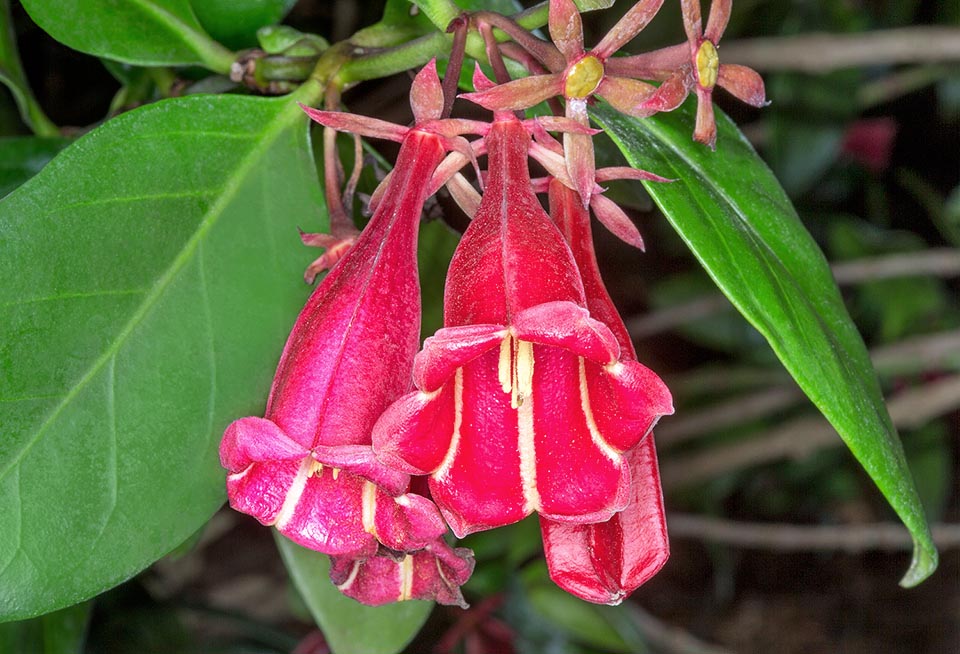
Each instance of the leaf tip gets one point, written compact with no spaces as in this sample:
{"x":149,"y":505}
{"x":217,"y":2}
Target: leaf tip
{"x":924,"y":562}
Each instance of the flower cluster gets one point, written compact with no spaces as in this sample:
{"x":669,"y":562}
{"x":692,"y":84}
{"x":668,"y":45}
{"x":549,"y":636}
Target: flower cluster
{"x":530,"y":398}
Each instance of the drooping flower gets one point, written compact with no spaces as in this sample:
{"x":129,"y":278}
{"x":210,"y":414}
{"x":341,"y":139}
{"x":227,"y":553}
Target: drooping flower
{"x":524,"y":403}
{"x":307,"y":467}
{"x":696,"y":66}
{"x":605,"y":561}
{"x":433,"y":573}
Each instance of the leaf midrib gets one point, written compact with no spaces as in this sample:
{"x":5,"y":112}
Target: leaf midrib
{"x":277,"y":126}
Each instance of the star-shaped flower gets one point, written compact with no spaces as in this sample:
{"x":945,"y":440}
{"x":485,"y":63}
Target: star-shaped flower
{"x":694,"y":65}
{"x":576,"y":75}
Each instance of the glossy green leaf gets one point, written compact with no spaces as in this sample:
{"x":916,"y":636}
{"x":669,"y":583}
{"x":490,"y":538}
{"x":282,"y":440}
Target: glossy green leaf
{"x":151,"y":273}
{"x":142,"y":32}
{"x":60,"y":632}
{"x":235,"y":22}
{"x":729,"y":209}
{"x":348,"y":626}
{"x":22,"y":157}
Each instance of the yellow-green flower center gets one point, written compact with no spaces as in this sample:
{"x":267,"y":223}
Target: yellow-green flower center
{"x":708,"y":65}
{"x":583,"y":78}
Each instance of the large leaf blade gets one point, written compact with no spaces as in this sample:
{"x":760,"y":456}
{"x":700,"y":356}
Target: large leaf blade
{"x":348,"y":626}
{"x":141,"y":32}
{"x":152,"y":271}
{"x":732,"y":213}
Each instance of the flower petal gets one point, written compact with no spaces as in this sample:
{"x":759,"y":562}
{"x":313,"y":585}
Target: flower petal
{"x":414,"y":434}
{"x":718,"y":19}
{"x":605,"y":562}
{"x":625,"y":94}
{"x":579,"y":477}
{"x":705,"y":130}
{"x":632,"y":23}
{"x":626,"y":399}
{"x":692,"y":22}
{"x":451,"y":348}
{"x":435,"y":573}
{"x":363,"y":125}
{"x":667,"y":97}
{"x":252,"y":439}
{"x":426,"y":94}
{"x":566,"y":28}
{"x":479,"y":485}
{"x":568,"y":326}
{"x":744,"y":83}
{"x":613,"y":218}
{"x":517,"y":94}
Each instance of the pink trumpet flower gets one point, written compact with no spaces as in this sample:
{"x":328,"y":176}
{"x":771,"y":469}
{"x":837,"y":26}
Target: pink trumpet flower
{"x":307,"y":467}
{"x":523,"y":401}
{"x":433,"y":573}
{"x":604,"y":562}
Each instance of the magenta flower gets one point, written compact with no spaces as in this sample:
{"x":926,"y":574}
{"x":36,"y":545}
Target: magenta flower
{"x":307,"y":466}
{"x":433,"y":573}
{"x":523,"y":403}
{"x":604,"y":562}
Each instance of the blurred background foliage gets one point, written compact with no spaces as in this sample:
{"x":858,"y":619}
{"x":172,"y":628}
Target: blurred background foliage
{"x":868,"y":151}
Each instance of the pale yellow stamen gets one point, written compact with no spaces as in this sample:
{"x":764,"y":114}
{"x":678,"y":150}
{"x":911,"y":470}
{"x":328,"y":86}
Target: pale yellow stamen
{"x":368,"y":513}
{"x":505,"y":367}
{"x":583,"y":78}
{"x":708,"y":65}
{"x":406,"y":578}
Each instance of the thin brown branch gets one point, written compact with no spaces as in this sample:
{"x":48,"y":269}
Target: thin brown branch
{"x":667,"y":638}
{"x":909,"y":356}
{"x":736,"y":411}
{"x":936,"y":262}
{"x":800,"y":438}
{"x":817,"y":53}
{"x":787,"y":537}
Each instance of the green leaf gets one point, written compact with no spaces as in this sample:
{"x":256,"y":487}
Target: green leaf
{"x":22,"y":157}
{"x":60,"y":632}
{"x":152,"y":271}
{"x":348,"y":626}
{"x":235,"y":22}
{"x":142,"y":32}
{"x":729,"y":209}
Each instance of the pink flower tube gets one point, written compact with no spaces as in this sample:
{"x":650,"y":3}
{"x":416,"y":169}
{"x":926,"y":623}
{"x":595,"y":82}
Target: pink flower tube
{"x":523,"y":401}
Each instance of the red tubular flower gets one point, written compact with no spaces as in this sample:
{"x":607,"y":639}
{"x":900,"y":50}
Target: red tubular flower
{"x":523,"y":402}
{"x":307,"y":466}
{"x":433,"y":573}
{"x":606,"y":561}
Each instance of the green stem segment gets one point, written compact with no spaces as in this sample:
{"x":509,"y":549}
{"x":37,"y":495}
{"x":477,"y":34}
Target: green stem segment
{"x":12,"y":75}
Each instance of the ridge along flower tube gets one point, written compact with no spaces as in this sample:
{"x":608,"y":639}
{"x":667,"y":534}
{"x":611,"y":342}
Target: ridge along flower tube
{"x":604,"y":562}
{"x":307,"y":467}
{"x":523,"y":403}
